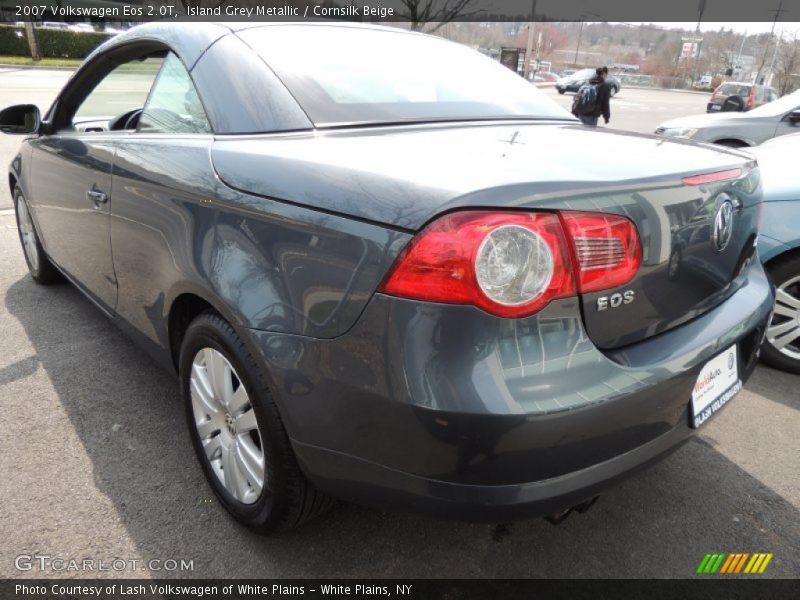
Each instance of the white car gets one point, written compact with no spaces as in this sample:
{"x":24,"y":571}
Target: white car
{"x":81,"y":28}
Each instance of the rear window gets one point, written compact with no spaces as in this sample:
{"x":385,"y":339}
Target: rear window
{"x":734,"y":89}
{"x":583,"y":74}
{"x":349,"y":75}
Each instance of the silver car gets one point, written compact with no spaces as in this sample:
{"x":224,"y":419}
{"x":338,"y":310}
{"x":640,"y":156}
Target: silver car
{"x":737,"y":129}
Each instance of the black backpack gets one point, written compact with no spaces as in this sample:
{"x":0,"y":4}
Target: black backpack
{"x":585,"y":102}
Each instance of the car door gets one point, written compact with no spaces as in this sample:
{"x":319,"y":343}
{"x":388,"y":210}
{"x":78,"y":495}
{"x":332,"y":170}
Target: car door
{"x":163,"y":181}
{"x":72,"y":192}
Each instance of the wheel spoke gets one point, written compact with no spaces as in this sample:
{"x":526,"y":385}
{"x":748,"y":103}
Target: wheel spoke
{"x":220,"y":373}
{"x":213,"y":447}
{"x":785,"y":298}
{"x":246,"y":421}
{"x":206,"y":427}
{"x":238,"y":400}
{"x":782,"y":340}
{"x":250,"y":466}
{"x":786,"y":311}
{"x":202,"y":394}
{"x":777,"y":330}
{"x":235,"y":480}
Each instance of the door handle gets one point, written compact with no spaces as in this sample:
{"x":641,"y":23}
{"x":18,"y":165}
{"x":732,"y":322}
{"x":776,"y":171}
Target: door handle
{"x":96,"y":197}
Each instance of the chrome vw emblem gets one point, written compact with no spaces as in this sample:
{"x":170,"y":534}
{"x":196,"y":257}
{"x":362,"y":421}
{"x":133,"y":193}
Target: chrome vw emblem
{"x":723,"y":226}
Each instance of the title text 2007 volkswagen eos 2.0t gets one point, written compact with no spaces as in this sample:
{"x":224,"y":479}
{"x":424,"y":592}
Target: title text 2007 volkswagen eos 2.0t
{"x":401,"y":277}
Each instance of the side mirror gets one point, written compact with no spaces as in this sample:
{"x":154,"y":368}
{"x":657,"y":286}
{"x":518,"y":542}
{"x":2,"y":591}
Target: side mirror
{"x":22,"y":119}
{"x":794,"y":116}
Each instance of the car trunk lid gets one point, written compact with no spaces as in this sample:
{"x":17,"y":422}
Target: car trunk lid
{"x":403,"y":177}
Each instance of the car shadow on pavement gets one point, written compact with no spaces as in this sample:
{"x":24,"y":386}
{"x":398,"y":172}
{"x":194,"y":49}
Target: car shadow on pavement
{"x":778,"y":386}
{"x":127,"y":413}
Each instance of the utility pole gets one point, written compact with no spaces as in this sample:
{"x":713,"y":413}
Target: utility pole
{"x":771,"y":35}
{"x":700,"y":10}
{"x":774,"y":57}
{"x":738,"y":64}
{"x":527,"y":68}
{"x":578,"y":47}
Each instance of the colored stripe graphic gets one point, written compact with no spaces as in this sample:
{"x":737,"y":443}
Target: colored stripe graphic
{"x":703,"y":563}
{"x":734,"y":563}
{"x":755,"y":560}
{"x":710,"y":563}
{"x":727,"y":564}
{"x":740,"y":564}
{"x":718,"y":563}
{"x":764,"y":564}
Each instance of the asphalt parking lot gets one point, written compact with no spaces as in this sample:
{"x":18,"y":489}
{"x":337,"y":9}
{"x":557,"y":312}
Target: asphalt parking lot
{"x":97,"y":462}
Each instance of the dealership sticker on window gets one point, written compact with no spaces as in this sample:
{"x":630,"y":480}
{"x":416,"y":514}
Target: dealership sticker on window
{"x":717,"y":383}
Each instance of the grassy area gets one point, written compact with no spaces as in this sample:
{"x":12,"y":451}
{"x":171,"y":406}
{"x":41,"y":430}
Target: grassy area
{"x":24,"y":61}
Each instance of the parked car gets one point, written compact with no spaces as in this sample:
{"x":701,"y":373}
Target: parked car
{"x":81,"y":27}
{"x":409,"y":280}
{"x":732,"y":96}
{"x":738,"y":130}
{"x":544,"y":77}
{"x":573,"y":82}
{"x":53,"y":25}
{"x":779,"y":247}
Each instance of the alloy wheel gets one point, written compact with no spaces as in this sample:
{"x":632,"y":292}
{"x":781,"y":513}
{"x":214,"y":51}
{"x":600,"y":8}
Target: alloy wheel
{"x":783,"y":332}
{"x":27,"y":234}
{"x":227,"y":427}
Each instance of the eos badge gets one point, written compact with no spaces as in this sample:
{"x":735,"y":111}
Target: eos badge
{"x":615,"y":300}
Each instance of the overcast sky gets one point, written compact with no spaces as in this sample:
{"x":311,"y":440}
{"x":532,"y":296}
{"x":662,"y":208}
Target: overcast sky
{"x":762,"y":27}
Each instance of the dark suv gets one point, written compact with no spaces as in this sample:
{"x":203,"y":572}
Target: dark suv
{"x":731,"y":96}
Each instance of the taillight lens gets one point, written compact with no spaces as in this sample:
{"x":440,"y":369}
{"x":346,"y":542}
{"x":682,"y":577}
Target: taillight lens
{"x":509,"y":264}
{"x":714,"y":177}
{"x":751,"y":98}
{"x":512,"y":264}
{"x":607,"y":249}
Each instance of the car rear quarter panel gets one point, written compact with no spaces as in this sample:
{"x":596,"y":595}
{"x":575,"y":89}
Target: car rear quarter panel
{"x":175,"y":228}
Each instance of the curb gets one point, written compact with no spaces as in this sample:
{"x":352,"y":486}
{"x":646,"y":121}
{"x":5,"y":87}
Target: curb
{"x":35,"y":67}
{"x":658,"y":89}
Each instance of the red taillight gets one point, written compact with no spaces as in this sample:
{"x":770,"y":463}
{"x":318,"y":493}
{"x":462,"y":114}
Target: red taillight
{"x":512,"y":264}
{"x":607,"y":249}
{"x":751,"y":98}
{"x":712,"y":177}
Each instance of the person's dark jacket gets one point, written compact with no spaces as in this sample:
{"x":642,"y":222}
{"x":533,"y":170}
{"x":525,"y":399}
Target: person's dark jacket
{"x":602,"y":108}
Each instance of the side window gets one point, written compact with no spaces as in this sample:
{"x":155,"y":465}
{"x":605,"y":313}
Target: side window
{"x":760,"y":94}
{"x":173,"y":105}
{"x":118,"y":96}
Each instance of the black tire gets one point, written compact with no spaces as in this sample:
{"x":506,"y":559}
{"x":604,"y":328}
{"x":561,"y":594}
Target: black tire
{"x":782,"y":271}
{"x":561,"y":92}
{"x":288,"y":498}
{"x":43,"y":272}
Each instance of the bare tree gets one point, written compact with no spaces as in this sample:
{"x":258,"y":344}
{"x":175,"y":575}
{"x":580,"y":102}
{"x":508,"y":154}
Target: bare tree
{"x":431,"y":15}
{"x":788,"y":67}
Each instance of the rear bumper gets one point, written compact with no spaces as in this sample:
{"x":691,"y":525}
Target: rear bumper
{"x":361,"y":481}
{"x":449,"y":411}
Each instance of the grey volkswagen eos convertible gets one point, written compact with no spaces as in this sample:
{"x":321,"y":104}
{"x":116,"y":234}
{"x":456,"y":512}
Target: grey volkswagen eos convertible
{"x":401,"y":277}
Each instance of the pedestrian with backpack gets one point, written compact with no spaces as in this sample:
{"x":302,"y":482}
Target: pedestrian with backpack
{"x":592,"y":100}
